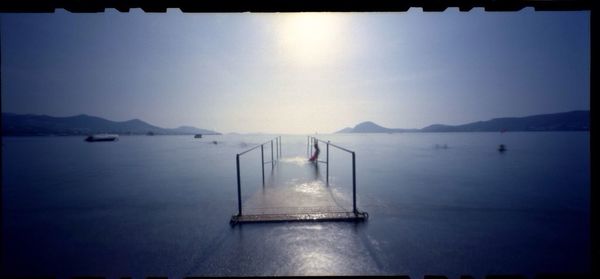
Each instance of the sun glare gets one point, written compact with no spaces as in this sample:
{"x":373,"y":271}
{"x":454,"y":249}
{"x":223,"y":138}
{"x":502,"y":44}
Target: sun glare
{"x":308,"y":38}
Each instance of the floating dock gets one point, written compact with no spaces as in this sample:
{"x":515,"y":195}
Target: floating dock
{"x":296,"y":190}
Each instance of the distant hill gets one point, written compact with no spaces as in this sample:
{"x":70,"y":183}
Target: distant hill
{"x":345,"y":130}
{"x":33,"y":125}
{"x":565,"y":121}
{"x":370,"y":127}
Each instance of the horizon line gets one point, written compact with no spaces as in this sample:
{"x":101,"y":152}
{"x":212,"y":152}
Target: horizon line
{"x":273,"y":133}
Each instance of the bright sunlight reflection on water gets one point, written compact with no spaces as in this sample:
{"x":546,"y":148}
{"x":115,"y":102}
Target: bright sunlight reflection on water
{"x":312,"y":187}
{"x":295,"y":160}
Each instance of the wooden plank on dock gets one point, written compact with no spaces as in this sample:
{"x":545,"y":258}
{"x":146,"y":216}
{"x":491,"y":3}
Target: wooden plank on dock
{"x":300,"y":217}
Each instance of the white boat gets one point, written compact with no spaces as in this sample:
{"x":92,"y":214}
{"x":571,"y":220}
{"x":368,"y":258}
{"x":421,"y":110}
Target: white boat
{"x":102,"y":137}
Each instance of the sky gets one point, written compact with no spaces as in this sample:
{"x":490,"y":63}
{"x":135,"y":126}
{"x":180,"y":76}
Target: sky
{"x":295,"y":72}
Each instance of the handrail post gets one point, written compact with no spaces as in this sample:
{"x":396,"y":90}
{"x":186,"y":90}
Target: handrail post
{"x":272,"y":154}
{"x":280,"y":147}
{"x":327,"y":176}
{"x":239,"y":184}
{"x":310,"y":147}
{"x":277,"y":147}
{"x":262,"y":163}
{"x":354,"y":182}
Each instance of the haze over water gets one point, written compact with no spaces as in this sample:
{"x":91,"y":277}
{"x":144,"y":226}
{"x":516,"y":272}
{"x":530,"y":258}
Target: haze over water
{"x":160,"y":206}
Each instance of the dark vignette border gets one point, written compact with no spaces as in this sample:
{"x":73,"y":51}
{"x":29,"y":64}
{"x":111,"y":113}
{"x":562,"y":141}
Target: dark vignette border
{"x":290,"y":5}
{"x":260,"y":6}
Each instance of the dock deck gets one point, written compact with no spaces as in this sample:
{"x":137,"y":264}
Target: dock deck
{"x":295,"y":191}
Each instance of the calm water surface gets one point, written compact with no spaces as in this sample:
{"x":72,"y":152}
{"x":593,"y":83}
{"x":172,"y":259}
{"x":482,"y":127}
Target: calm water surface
{"x":160,"y":206}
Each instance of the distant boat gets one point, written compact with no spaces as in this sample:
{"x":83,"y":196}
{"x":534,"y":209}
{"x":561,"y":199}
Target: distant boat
{"x":501,"y":148}
{"x":150,"y":133}
{"x":198,"y":136}
{"x":102,"y":137}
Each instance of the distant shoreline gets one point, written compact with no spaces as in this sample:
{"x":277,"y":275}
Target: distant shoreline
{"x":563,"y":121}
{"x":41,"y":125}
{"x":374,"y":133}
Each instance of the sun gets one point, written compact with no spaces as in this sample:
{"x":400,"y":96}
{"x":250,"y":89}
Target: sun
{"x":308,"y":38}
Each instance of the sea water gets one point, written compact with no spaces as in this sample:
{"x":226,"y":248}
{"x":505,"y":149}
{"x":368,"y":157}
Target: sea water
{"x":438,"y":203}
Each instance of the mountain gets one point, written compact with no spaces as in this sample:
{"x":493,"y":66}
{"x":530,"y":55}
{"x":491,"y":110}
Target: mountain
{"x":345,"y":130}
{"x":565,"y":121}
{"x":370,"y":127}
{"x":31,"y":125}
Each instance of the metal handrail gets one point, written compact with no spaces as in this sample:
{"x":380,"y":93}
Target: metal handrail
{"x":262,"y":158}
{"x":269,"y":141}
{"x":327,"y":143}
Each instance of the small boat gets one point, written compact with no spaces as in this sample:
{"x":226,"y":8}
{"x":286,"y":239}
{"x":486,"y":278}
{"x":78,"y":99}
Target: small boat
{"x":150,"y":133}
{"x":102,"y":137}
{"x":198,"y":136}
{"x":501,"y":148}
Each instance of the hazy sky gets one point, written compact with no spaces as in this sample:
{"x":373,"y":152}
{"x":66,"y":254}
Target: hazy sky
{"x":295,"y":73}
